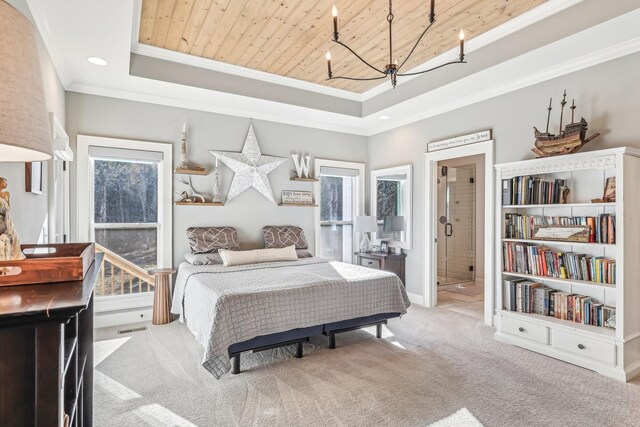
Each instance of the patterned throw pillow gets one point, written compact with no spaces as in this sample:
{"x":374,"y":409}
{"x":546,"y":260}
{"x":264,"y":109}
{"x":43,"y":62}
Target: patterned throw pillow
{"x":211,"y":239}
{"x":281,"y":237}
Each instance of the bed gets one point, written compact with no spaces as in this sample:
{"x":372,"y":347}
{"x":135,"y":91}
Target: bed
{"x":257,"y":306}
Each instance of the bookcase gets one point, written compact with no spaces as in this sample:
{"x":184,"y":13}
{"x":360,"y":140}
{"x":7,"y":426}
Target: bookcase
{"x":614,"y":352}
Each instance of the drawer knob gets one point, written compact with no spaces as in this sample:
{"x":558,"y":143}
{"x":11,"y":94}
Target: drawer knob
{"x":581,"y":347}
{"x":521,"y":329}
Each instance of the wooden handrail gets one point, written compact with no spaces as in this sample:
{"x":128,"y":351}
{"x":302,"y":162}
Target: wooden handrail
{"x":125,"y":267}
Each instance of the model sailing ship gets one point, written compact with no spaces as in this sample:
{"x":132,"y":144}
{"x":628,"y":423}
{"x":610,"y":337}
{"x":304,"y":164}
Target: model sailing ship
{"x":568,"y":141}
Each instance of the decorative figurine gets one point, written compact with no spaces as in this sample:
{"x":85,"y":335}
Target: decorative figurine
{"x":302,"y":165}
{"x":189,"y":195}
{"x":183,"y":148}
{"x":184,"y":163}
{"x":9,"y":240}
{"x":216,"y":183}
{"x":568,"y":140}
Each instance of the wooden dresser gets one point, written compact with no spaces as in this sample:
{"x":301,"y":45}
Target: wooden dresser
{"x":46,"y":356}
{"x":393,"y":263}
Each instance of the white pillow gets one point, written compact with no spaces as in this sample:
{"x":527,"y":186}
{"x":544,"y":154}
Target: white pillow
{"x":230,"y":258}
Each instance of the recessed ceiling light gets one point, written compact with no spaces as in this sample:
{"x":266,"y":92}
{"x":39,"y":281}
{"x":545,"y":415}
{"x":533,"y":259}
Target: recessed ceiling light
{"x":384,"y":117}
{"x":96,"y":60}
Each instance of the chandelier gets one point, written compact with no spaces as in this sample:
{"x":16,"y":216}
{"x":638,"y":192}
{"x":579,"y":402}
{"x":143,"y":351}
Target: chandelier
{"x":392,"y":69}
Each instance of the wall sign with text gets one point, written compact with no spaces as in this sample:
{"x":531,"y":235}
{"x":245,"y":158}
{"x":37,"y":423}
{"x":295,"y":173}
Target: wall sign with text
{"x":458,"y":141}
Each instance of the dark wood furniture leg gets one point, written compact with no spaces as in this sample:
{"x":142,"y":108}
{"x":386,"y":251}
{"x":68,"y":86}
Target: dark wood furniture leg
{"x":299,"y":350}
{"x":379,"y":330}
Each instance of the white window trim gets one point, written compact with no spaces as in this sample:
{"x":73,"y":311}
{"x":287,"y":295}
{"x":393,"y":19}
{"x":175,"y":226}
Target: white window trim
{"x":358,"y":197}
{"x":407,"y":193}
{"x":165,"y":257}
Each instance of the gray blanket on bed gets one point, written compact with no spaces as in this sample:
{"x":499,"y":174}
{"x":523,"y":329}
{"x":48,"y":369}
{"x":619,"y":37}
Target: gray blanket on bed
{"x":227,"y":305}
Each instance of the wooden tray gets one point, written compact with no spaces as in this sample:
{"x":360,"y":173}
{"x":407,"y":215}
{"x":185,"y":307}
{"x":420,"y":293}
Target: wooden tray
{"x":63,"y":262}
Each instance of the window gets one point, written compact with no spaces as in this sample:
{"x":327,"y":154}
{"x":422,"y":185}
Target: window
{"x":124,"y":205}
{"x":125,"y":214}
{"x":340,"y":199}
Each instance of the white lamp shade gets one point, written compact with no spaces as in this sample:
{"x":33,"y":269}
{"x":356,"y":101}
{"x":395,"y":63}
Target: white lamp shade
{"x":393,"y":223}
{"x":365,"y":224}
{"x":25,"y":135}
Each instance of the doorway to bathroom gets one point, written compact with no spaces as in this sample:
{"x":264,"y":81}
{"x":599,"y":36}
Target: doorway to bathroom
{"x":459,"y":232}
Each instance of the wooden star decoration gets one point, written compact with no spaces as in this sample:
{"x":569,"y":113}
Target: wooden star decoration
{"x":250,"y":167}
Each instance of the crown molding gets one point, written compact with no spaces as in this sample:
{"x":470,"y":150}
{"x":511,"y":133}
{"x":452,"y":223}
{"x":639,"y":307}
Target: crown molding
{"x":260,"y":109}
{"x":213,"y":65}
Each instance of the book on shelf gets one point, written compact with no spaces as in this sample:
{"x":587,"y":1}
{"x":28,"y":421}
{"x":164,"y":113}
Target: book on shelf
{"x":533,"y":190}
{"x":525,"y":296}
{"x":536,"y":260}
{"x":602,"y":228}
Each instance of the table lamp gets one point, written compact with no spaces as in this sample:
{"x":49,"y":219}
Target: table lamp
{"x":25,"y":135}
{"x":393,"y":224}
{"x":365,"y":225}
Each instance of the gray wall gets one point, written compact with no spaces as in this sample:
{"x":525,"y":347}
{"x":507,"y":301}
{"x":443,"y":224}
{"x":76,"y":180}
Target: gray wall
{"x":109,"y":117}
{"x":29,"y":211}
{"x":607,"y":96}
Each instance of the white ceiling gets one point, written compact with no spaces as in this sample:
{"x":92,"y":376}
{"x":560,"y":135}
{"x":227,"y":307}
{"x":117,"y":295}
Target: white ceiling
{"x":557,"y":38}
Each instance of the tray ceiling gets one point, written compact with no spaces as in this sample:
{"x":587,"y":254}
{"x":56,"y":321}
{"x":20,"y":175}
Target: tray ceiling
{"x":290,"y":38}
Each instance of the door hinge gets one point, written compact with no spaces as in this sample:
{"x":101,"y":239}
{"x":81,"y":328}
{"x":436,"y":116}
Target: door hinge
{"x":471,"y":268}
{"x":472,"y":180}
{"x":64,"y":165}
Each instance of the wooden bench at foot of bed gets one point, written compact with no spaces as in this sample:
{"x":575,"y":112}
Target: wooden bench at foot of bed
{"x":302,"y":335}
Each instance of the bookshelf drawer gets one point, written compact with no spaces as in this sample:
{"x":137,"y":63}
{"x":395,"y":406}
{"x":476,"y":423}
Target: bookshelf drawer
{"x":585,"y":347}
{"x":526,"y":330}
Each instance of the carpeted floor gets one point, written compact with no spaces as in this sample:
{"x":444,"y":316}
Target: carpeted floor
{"x":429,"y":365}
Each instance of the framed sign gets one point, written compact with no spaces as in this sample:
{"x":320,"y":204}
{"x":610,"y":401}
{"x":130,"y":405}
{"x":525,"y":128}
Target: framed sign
{"x":458,"y":141}
{"x":297,"y":197}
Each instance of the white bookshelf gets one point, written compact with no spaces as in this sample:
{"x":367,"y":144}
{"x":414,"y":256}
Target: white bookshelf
{"x":611,"y":352}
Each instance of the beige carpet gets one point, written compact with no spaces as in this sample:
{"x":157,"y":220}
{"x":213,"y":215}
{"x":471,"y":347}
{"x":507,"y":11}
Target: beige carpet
{"x":430,"y":365}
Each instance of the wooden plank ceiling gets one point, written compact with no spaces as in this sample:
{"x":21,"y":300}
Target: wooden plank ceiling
{"x":290,"y":37}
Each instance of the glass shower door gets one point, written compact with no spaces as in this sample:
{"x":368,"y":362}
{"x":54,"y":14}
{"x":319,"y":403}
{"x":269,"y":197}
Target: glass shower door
{"x":456,"y":224}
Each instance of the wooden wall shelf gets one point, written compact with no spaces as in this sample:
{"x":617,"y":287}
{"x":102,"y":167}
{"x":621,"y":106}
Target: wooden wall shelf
{"x":297,"y":205}
{"x":180,"y":171}
{"x":199,"y":204}
{"x":297,"y":178}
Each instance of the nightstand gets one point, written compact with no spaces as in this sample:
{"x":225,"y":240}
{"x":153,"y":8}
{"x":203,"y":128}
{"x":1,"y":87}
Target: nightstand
{"x":393,"y":263}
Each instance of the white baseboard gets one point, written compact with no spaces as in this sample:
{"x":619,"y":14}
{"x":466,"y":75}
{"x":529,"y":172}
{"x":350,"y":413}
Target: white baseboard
{"x":122,"y":317}
{"x":415,"y":298}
